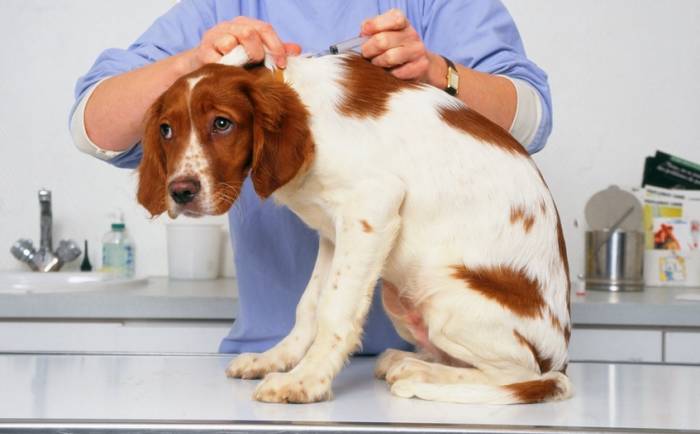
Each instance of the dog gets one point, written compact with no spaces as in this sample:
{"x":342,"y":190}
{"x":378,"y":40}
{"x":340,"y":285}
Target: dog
{"x":403,"y":182}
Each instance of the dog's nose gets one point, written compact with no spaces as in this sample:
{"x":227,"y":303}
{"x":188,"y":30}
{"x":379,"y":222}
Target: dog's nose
{"x":184,"y":190}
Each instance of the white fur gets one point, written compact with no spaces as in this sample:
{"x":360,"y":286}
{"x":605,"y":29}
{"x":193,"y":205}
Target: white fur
{"x":434,"y":197}
{"x":239,"y":57}
{"x":235,"y":57}
{"x":193,"y":163}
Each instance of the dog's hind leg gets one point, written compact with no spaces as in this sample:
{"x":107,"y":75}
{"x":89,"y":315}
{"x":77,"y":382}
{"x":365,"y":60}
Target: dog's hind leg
{"x":551,"y":386}
{"x":391,"y":357}
{"x":417,"y":370}
{"x":287,"y":353}
{"x":506,"y":370}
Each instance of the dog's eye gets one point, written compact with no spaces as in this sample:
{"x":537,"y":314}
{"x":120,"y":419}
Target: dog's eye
{"x":222,"y":125}
{"x":166,"y":131}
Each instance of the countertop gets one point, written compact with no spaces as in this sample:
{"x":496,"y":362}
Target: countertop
{"x":152,"y":393}
{"x":652,"y":307}
{"x":165,"y":299}
{"x":159,"y":298}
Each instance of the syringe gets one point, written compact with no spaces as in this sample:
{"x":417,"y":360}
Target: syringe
{"x":343,"y":47}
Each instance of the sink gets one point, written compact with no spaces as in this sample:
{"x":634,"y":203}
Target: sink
{"x":29,"y":282}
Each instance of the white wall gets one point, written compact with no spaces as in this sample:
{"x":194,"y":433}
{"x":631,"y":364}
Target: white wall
{"x":625,"y":81}
{"x":623,"y":75}
{"x":46,"y":46}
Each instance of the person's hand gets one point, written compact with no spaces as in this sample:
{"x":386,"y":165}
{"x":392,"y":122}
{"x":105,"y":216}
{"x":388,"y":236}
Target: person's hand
{"x":255,"y":36}
{"x":394,"y":44}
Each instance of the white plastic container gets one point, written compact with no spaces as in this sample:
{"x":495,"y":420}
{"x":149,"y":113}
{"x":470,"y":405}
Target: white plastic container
{"x":194,"y":251}
{"x":118,"y":251}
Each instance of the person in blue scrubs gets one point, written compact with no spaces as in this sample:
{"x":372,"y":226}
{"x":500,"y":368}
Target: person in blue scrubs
{"x":275,"y":251}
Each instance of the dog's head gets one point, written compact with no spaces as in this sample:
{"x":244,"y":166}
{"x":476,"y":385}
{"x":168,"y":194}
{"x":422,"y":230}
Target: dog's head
{"x":210,"y":130}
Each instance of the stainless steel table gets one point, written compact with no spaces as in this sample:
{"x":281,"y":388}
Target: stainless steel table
{"x":164,"y":394}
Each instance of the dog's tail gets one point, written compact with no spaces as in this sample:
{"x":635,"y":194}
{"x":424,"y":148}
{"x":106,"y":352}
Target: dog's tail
{"x":551,"y":386}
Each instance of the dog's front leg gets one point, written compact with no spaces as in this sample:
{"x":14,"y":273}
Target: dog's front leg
{"x":287,"y":353}
{"x":366,"y":226}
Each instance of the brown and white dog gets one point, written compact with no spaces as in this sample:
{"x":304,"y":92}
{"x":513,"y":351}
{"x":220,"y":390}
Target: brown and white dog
{"x":402,"y":182}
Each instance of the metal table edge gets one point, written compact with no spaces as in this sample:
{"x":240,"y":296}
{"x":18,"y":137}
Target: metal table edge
{"x":62,"y":426}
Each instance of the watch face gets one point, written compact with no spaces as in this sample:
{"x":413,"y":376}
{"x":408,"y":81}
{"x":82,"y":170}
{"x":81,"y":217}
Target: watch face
{"x":452,"y":82}
{"x":452,"y":77}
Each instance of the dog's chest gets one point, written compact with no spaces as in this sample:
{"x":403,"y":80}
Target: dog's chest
{"x":311,"y":204}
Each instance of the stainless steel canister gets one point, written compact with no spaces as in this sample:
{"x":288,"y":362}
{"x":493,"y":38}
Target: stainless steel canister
{"x":614,"y":260}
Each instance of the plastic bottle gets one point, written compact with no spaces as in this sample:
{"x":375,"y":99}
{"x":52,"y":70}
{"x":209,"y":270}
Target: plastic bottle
{"x":118,"y":251}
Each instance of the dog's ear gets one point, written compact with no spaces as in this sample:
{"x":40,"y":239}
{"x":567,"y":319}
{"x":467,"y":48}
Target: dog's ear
{"x":151,"y":189}
{"x":282,"y":143}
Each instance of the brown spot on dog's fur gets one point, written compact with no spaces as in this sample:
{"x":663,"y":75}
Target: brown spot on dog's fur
{"x":513,"y":289}
{"x":518,"y":213}
{"x":527,"y":223}
{"x":337,"y":337}
{"x":556,"y":323}
{"x":543,"y":207}
{"x":530,"y":392}
{"x":483,"y":129}
{"x":368,"y":88}
{"x":544,"y":363}
{"x":366,"y":227}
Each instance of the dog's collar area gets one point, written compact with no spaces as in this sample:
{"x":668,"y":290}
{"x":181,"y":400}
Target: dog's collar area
{"x":278,"y":75}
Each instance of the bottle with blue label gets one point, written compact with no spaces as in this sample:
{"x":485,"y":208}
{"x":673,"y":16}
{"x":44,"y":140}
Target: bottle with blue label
{"x":118,"y":251}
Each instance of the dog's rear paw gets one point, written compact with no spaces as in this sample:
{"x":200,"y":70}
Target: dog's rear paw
{"x":407,"y":368}
{"x":388,"y":359}
{"x":293,"y":388}
{"x":252,"y":365}
{"x":404,"y":389}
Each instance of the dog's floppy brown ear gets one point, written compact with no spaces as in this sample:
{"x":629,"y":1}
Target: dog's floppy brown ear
{"x":282,"y":143}
{"x":152,"y":190}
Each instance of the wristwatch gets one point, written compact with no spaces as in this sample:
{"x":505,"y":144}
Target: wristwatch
{"x":452,"y":77}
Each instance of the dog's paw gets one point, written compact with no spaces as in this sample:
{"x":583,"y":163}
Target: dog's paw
{"x":293,"y":388}
{"x":404,"y":389}
{"x":251,"y":365}
{"x":407,"y":368}
{"x":388,"y":359}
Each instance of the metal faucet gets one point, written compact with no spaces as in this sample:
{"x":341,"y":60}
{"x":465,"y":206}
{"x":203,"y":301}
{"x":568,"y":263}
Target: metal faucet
{"x":45,"y":259}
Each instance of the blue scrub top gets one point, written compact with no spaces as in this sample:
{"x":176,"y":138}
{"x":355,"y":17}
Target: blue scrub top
{"x":275,"y":252}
